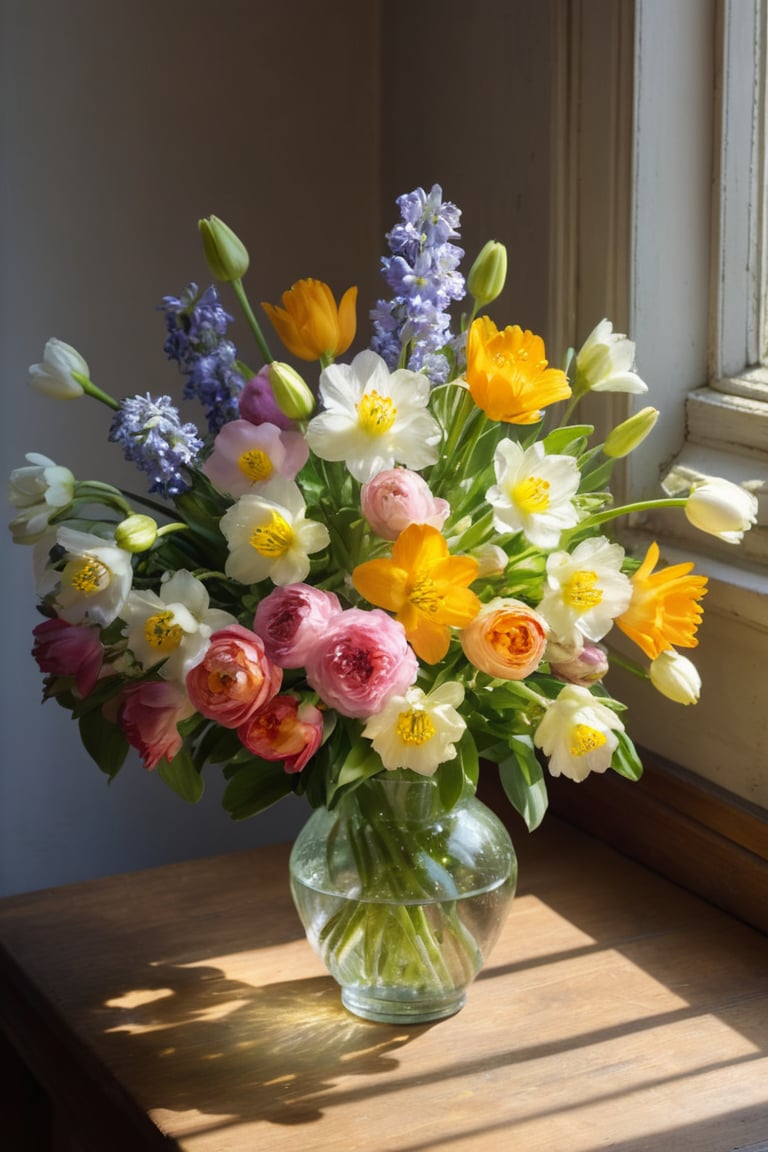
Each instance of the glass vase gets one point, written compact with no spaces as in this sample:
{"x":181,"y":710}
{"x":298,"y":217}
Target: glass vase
{"x":403,"y":899}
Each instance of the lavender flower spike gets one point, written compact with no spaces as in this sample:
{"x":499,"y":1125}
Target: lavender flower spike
{"x":153,"y":437}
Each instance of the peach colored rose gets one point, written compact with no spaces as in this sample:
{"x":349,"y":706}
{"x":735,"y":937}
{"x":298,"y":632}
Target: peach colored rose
{"x":234,"y":679}
{"x":506,"y":639}
{"x":284,"y":730}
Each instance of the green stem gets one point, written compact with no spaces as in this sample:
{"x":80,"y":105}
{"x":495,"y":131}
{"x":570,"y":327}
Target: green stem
{"x":178,"y":526}
{"x":628,"y":509}
{"x":239,"y":291}
{"x":92,"y":390}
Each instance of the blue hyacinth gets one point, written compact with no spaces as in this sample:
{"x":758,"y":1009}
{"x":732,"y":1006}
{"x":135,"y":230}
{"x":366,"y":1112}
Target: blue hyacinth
{"x":153,"y":437}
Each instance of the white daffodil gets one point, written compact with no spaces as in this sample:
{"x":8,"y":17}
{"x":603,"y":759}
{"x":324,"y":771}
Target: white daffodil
{"x":374,"y":419}
{"x":53,"y":376}
{"x":175,"y":626}
{"x":418,"y":730}
{"x":676,"y":677}
{"x":578,"y":734}
{"x":586,"y":590}
{"x":605,"y":363}
{"x":533,"y":492}
{"x":92,"y":580}
{"x":721,"y":508}
{"x":269,"y":536}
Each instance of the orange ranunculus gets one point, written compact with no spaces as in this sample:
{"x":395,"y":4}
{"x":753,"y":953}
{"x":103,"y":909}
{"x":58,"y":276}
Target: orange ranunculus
{"x":424,"y":586}
{"x":309,"y":323}
{"x":506,"y":639}
{"x":508,"y":374}
{"x":663,"y":612}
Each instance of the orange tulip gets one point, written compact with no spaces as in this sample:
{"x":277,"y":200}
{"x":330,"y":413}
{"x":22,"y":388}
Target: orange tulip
{"x":508,"y":374}
{"x":663,"y":612}
{"x":310,"y":324}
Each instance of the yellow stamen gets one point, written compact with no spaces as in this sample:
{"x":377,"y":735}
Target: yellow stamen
{"x":274,"y":538}
{"x":415,"y":727}
{"x":376,"y":414}
{"x":531,"y":494}
{"x":580,"y":591}
{"x":425,"y":595}
{"x":255,"y":464}
{"x":161,"y":634}
{"x":585,"y":739}
{"x":86,"y":575}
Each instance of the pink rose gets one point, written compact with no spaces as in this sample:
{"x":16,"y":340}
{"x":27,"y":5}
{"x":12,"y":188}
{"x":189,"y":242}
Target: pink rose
{"x":506,"y":639}
{"x":245,"y":455}
{"x":257,"y":402}
{"x":362,"y":659}
{"x":63,"y":649}
{"x":290,"y":621}
{"x":284,"y":730}
{"x":234,"y":678}
{"x":397,"y":497}
{"x":585,"y":668}
{"x":149,"y":716}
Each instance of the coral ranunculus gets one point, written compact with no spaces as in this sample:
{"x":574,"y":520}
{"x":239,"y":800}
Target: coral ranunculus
{"x":235,"y":677}
{"x":310,"y":324}
{"x":506,"y":639}
{"x":508,"y":373}
{"x":664,"y":611}
{"x":284,"y":730}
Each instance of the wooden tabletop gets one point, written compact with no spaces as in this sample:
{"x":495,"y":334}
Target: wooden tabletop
{"x":181,"y":1008}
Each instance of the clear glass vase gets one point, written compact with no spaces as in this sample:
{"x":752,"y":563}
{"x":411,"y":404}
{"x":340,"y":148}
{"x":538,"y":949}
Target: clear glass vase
{"x":401,"y":899}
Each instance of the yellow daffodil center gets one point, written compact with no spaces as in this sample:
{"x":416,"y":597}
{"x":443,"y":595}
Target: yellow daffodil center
{"x":580,"y":591}
{"x":255,"y":464}
{"x":375,"y":414}
{"x":87,"y":575}
{"x":161,"y":634}
{"x":274,"y":538}
{"x":585,"y":739}
{"x":415,"y":727}
{"x":531,"y":495}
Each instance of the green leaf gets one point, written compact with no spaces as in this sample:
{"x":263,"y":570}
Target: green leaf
{"x":522,"y":779}
{"x":568,"y":441}
{"x":625,"y":759}
{"x":469,"y":758}
{"x":182,"y":777}
{"x":450,"y":782}
{"x":254,"y":787}
{"x":104,"y":742}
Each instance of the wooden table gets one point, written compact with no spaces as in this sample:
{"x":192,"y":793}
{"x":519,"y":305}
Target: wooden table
{"x":180,"y":1008}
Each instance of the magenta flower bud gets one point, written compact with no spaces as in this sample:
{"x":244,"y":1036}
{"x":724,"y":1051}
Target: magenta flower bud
{"x":587,"y":668}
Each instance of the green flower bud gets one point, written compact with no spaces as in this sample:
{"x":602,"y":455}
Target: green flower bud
{"x":291,"y":392}
{"x":488,"y":273}
{"x":625,"y":437}
{"x":225,"y":254}
{"x":136,"y":533}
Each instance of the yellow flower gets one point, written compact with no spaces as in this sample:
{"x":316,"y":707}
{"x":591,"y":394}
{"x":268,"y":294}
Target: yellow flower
{"x":424,"y":586}
{"x":309,"y":323}
{"x":508,"y":375}
{"x":663,"y":612}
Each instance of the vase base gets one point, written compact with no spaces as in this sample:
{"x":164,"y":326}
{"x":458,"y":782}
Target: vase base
{"x":371,"y":1004}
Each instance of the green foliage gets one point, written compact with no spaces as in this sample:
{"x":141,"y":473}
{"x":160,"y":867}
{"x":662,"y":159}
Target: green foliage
{"x":254,"y":786}
{"x":182,"y":777}
{"x":104,"y":742}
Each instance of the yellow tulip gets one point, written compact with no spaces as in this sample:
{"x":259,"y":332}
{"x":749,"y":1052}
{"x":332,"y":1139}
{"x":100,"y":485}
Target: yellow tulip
{"x":310,"y":324}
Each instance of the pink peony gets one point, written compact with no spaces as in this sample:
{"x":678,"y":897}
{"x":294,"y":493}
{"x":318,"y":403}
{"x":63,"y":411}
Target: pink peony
{"x":234,"y":679}
{"x":397,"y":497}
{"x":63,"y":649}
{"x":257,"y":402}
{"x":362,"y":659}
{"x":149,"y":716}
{"x":290,"y":621}
{"x":284,"y":730}
{"x":245,"y":455}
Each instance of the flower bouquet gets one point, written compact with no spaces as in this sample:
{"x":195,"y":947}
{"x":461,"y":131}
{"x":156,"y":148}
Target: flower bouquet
{"x":392,"y":570}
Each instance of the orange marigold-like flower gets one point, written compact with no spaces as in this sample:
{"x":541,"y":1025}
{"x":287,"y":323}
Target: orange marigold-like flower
{"x":310,"y":324}
{"x":664,"y":612}
{"x":508,"y":374}
{"x":424,"y":586}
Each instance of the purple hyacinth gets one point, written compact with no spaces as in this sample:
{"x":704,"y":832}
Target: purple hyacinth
{"x":153,"y":437}
{"x":197,"y":326}
{"x":422,"y":273}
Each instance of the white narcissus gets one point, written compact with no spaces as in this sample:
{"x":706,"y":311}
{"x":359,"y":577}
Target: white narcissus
{"x":533,"y":493}
{"x":418,"y":730}
{"x":38,"y":490}
{"x":53,"y":376}
{"x":174,"y":627}
{"x":605,"y":363}
{"x":93,"y":580}
{"x":578,"y":734}
{"x":676,"y":677}
{"x":585,"y":591}
{"x":722,"y":509}
{"x":374,"y":419}
{"x":269,"y":536}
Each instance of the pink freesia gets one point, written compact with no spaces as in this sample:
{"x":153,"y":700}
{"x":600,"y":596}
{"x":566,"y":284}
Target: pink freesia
{"x":149,"y":716}
{"x":257,"y":402}
{"x":71,"y":650}
{"x":245,"y":455}
{"x":362,"y":659}
{"x":234,"y":678}
{"x":290,"y":621}
{"x":284,"y":730}
{"x":397,"y":497}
